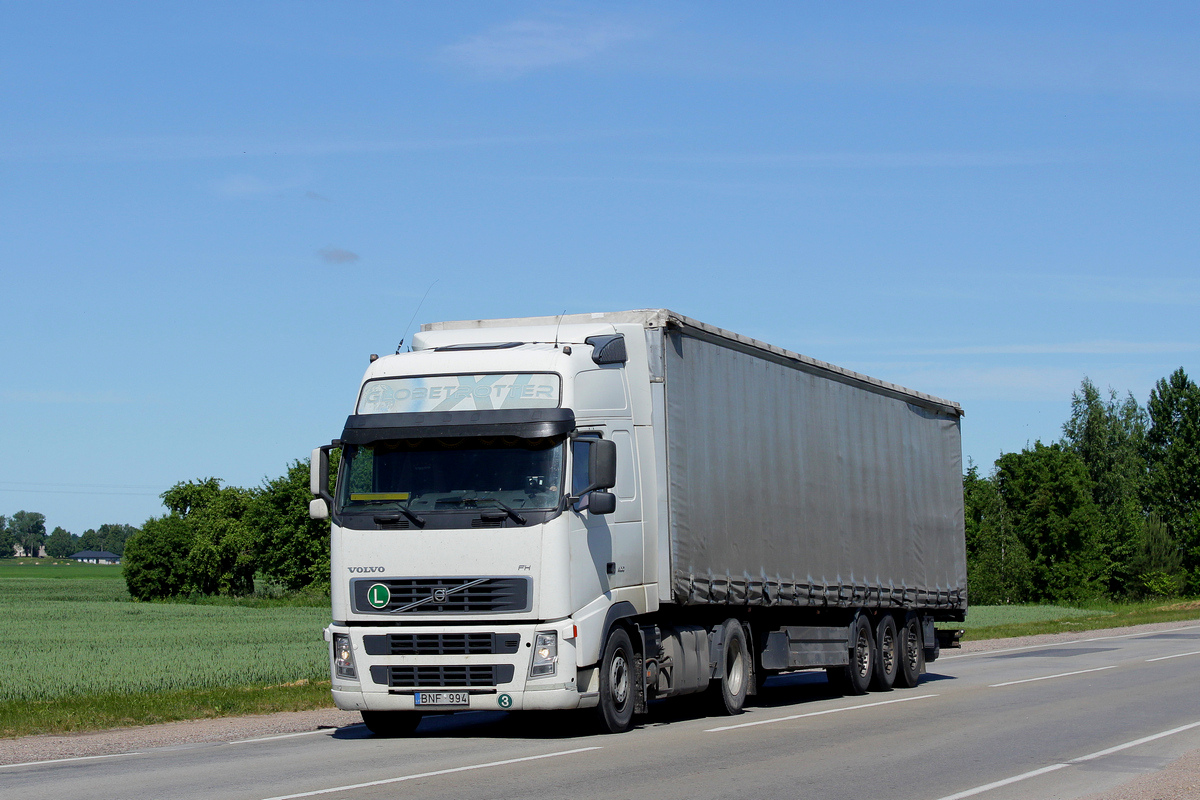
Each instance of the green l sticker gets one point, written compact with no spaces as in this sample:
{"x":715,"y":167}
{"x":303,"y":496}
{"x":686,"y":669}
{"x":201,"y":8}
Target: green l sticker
{"x":379,"y":596}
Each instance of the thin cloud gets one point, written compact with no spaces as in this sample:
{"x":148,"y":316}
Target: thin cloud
{"x":336,"y":255}
{"x":311,"y":195}
{"x":520,"y":47}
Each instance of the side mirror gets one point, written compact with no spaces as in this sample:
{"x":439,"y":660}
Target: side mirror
{"x":318,"y":508}
{"x":602,"y":502}
{"x":318,"y":483}
{"x":318,"y":471}
{"x":602,"y":464}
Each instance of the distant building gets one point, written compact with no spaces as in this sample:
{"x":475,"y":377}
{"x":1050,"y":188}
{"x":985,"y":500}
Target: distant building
{"x":96,"y":557}
{"x":19,"y":551}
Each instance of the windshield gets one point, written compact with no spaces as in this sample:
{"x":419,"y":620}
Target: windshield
{"x":452,"y":474}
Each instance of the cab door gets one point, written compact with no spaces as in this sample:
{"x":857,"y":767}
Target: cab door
{"x":606,"y":549}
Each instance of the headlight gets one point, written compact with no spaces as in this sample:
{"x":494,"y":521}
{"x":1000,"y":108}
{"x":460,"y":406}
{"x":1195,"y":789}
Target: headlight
{"x":343,"y":656}
{"x":545,"y":655}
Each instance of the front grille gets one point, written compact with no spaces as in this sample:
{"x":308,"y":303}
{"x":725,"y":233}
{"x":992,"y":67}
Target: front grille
{"x":443,"y":595}
{"x":439,"y":676}
{"x":441,"y":644}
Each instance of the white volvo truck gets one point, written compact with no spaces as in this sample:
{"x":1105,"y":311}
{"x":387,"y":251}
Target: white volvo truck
{"x":600,"y":510}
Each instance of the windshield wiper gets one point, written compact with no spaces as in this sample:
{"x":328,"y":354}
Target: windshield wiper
{"x":517,"y":518}
{"x":473,"y":502}
{"x":415,"y":519}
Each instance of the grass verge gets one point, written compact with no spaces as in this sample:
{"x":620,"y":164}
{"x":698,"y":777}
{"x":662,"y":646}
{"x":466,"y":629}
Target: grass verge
{"x":98,"y":712}
{"x":1090,"y":617}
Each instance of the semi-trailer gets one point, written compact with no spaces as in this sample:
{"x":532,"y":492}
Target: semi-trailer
{"x":602,"y":510}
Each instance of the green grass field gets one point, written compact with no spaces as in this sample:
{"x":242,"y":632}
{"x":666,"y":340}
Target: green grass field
{"x":72,"y":635}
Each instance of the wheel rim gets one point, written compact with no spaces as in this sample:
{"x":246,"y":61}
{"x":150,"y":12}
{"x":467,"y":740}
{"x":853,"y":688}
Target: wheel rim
{"x":913,"y":655}
{"x":888,"y":645}
{"x":735,"y":670}
{"x":862,"y":654}
{"x":618,"y":678}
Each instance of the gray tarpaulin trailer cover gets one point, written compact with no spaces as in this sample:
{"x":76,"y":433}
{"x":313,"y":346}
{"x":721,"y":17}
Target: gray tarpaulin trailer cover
{"x":795,"y":483}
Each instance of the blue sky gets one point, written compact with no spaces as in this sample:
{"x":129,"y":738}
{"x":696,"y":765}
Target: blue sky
{"x":211,"y":215}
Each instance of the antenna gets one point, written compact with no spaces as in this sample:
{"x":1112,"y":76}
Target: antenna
{"x":558,"y":325}
{"x":414,"y":316}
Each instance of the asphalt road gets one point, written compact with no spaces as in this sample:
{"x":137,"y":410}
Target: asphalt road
{"x":1055,"y":721}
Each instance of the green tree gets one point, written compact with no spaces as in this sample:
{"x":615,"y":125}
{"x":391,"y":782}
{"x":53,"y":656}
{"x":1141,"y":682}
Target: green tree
{"x":113,"y":537}
{"x":1173,"y":459}
{"x":1157,"y":562}
{"x":293,"y":549}
{"x":1109,"y":436}
{"x":7,"y":542}
{"x":155,"y":563}
{"x":61,"y":543}
{"x":998,"y":566}
{"x":1048,"y":492}
{"x":29,"y":530}
{"x":90,"y":540}
{"x":222,"y":556}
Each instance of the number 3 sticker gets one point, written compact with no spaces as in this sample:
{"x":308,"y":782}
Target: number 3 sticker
{"x":505,"y":701}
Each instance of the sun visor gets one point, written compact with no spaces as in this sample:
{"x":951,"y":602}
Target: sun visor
{"x":527,"y":423}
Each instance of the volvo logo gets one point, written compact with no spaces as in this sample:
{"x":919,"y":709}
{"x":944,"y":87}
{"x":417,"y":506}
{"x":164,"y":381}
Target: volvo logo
{"x":439,"y":595}
{"x":364,"y":569}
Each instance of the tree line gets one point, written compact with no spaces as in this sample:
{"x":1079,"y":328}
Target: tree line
{"x":216,"y":539}
{"x":27,"y":530}
{"x":1110,"y":510}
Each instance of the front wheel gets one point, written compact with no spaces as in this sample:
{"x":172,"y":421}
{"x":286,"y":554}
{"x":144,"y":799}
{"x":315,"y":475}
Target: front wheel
{"x":391,"y":723}
{"x":617,"y":683}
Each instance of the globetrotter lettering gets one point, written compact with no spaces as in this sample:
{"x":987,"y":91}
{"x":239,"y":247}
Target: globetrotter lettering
{"x":450,"y":392}
{"x":365,"y":569}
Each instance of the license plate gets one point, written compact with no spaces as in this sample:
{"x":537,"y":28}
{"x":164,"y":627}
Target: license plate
{"x":442,"y":698}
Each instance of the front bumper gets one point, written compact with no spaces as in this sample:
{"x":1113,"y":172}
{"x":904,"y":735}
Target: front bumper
{"x":497,"y":680}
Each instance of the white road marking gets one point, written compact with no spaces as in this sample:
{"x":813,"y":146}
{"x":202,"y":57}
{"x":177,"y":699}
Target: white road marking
{"x":1089,"y":757}
{"x":64,"y":760}
{"x":987,"y":787}
{"x":818,"y":713}
{"x":1048,"y":677}
{"x":433,"y":774}
{"x":1177,"y":655}
{"x":1134,"y":743}
{"x":329,"y":731}
{"x":1061,"y":644}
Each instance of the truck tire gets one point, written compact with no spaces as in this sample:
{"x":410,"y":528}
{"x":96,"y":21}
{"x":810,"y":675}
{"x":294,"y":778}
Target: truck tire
{"x":911,"y":652}
{"x":729,"y":692}
{"x":391,"y":723}
{"x":887,"y":658}
{"x":617,"y":683}
{"x":857,"y":674}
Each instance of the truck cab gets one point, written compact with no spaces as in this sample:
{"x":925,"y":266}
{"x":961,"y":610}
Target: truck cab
{"x":488,"y":516}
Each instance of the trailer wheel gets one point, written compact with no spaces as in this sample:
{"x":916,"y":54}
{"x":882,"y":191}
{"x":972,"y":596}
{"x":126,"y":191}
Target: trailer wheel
{"x":857,"y":674}
{"x":729,"y":694}
{"x":391,"y":723}
{"x":887,"y":657}
{"x":911,"y":651}
{"x":617,"y":683}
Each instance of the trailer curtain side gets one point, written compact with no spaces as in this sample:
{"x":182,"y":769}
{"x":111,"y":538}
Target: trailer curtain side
{"x":792,"y":486}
